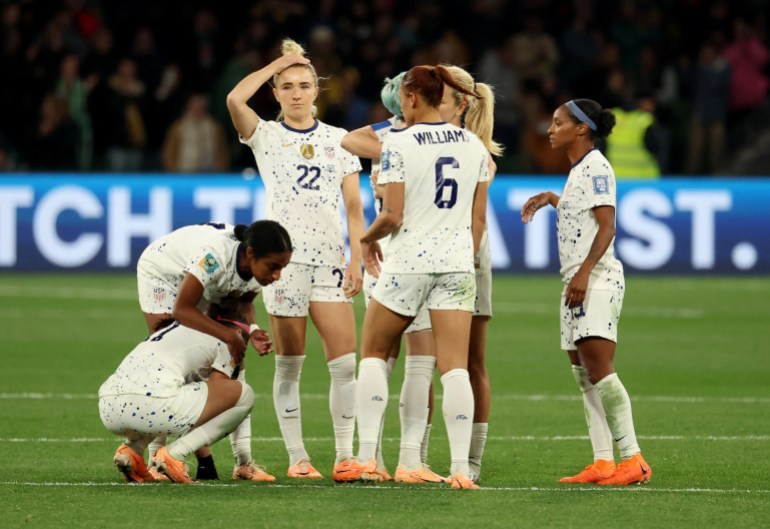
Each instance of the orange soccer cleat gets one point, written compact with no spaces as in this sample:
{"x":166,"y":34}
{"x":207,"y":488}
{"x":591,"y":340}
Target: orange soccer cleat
{"x":593,"y":473}
{"x":303,"y":469}
{"x":252,"y":472}
{"x":132,"y":465}
{"x":175,"y":469}
{"x":632,"y":470}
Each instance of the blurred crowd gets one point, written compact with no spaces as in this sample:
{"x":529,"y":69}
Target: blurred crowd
{"x":93,"y":85}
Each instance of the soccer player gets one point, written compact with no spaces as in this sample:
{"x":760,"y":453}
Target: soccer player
{"x":303,"y":168}
{"x":434,"y":207}
{"x":150,"y":393}
{"x":477,"y":115}
{"x":420,"y":354}
{"x":594,"y":286}
{"x":193,"y":266}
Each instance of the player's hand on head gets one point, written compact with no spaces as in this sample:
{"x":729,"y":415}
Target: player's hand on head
{"x":291,"y":59}
{"x":261,"y":342}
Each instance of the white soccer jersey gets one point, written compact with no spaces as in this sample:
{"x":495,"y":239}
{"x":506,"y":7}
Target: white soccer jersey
{"x":381,"y":130}
{"x":158,"y":366}
{"x":302,"y":171}
{"x":591,"y":183}
{"x":207,"y":251}
{"x":440,"y":165}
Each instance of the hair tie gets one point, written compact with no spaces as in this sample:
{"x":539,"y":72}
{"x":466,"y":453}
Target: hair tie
{"x":582,"y":116}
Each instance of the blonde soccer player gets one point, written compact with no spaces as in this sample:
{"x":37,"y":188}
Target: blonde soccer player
{"x":477,"y":116}
{"x":594,"y":287}
{"x":435,"y":190}
{"x":305,"y":171}
{"x":184,"y":271}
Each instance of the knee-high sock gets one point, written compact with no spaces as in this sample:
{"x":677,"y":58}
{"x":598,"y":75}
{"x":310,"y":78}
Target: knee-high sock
{"x":424,"y":445}
{"x":598,"y":430}
{"x":240,"y":438}
{"x":413,"y":407}
{"x":617,"y":407}
{"x":478,"y":442}
{"x":287,"y":406}
{"x":215,"y":429}
{"x":380,"y":461}
{"x":458,"y":416}
{"x":371,"y":401}
{"x":342,"y":403}
{"x":156,"y":444}
{"x":138,"y":443}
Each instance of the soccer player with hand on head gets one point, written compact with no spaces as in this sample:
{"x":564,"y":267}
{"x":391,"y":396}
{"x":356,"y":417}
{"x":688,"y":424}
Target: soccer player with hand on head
{"x":594,"y":287}
{"x":184,"y":271}
{"x":304,"y":168}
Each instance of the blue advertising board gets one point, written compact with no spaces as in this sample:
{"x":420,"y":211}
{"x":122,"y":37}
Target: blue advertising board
{"x":102,"y":222}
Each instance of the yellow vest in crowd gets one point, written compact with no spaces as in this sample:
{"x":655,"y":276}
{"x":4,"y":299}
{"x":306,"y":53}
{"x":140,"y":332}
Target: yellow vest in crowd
{"x":625,"y":146}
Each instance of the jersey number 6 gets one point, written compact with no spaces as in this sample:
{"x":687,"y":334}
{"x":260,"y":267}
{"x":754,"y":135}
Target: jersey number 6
{"x":446,"y":188}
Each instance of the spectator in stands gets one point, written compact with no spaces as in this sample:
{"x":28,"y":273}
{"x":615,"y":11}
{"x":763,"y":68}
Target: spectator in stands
{"x":196,"y":141}
{"x":128,"y":133}
{"x":710,"y":81}
{"x":54,"y":145}
{"x":632,"y":147}
{"x":748,"y":56}
{"x":75,"y":91}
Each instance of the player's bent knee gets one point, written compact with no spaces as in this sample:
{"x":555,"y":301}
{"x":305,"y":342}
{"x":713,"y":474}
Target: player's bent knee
{"x":246,"y":399}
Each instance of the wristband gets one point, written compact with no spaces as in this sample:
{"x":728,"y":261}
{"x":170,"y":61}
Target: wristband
{"x":253,"y":327}
{"x":477,"y":261}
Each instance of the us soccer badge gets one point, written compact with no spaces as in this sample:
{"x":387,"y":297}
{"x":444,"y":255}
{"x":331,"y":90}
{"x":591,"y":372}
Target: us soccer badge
{"x":307,"y":150}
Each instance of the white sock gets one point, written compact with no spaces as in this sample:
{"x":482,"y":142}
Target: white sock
{"x":156,"y":444}
{"x":424,"y":445}
{"x":138,"y":445}
{"x":390,"y":363}
{"x":598,"y":431}
{"x":342,"y":403}
{"x":458,"y":415}
{"x":371,"y":401}
{"x":413,"y":407}
{"x":617,"y":407}
{"x":240,"y":438}
{"x":209,"y":433}
{"x":478,"y":442}
{"x":287,"y":404}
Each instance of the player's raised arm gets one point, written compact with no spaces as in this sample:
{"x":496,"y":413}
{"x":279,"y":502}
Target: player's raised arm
{"x":244,"y":118}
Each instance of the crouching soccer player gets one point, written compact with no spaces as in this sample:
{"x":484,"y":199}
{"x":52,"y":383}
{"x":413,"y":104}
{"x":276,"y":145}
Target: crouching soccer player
{"x":149,"y":395}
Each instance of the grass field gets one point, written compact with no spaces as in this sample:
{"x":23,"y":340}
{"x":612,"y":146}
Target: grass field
{"x":692,"y":355}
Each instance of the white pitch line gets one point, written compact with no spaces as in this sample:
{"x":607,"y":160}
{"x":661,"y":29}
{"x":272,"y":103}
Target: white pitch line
{"x":515,"y":397}
{"x":536,"y":438}
{"x":422,"y":488}
{"x":19,"y":291}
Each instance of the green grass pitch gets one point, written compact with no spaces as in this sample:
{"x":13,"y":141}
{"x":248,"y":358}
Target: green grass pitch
{"x":694,"y":354}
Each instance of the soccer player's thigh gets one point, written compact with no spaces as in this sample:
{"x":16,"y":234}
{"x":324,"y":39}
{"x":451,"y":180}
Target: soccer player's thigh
{"x":396,"y":301}
{"x":599,"y":315}
{"x":332,"y":312}
{"x":287,"y":301}
{"x":451,"y":303}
